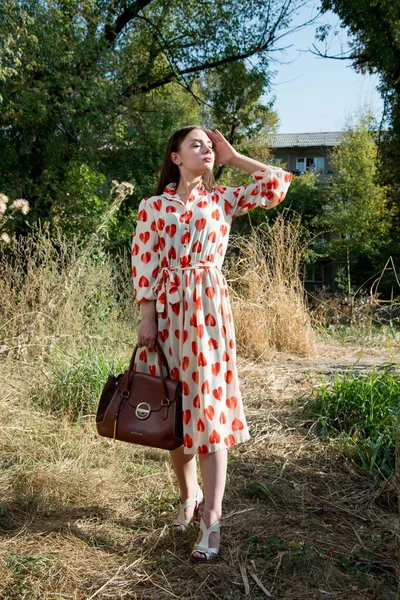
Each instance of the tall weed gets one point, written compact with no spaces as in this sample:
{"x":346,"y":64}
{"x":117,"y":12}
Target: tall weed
{"x":267,"y":294}
{"x":362,"y":411}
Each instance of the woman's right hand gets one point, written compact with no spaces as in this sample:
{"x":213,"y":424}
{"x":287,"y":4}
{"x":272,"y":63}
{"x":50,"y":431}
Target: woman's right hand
{"x":147,"y":333}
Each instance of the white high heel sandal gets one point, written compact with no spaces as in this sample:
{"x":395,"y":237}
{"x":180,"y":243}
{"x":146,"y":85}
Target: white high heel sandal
{"x":181,"y":524}
{"x":203,"y":546}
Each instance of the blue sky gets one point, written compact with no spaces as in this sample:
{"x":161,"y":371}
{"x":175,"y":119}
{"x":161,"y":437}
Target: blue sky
{"x":315,"y":94}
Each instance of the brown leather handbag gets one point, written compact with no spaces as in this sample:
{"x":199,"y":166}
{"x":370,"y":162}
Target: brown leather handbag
{"x":141,"y":408}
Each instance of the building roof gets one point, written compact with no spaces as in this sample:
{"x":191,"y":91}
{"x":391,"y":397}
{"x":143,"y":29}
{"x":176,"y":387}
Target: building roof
{"x":299,"y":140}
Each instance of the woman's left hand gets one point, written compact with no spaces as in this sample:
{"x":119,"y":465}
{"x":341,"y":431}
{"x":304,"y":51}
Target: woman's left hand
{"x":224,"y":152}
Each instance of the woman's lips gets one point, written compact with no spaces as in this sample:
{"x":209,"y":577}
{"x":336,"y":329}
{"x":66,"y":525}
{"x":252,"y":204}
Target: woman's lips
{"x":207,"y":159}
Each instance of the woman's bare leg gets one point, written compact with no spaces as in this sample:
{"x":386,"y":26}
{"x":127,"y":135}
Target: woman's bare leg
{"x":213,"y":468}
{"x":186,"y":473}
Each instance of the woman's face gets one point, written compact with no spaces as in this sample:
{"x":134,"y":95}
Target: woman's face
{"x":195,"y":154}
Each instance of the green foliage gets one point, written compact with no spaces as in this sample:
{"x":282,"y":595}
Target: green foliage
{"x":355,"y":203}
{"x":92,"y":90}
{"x":75,"y":382}
{"x":364,"y":412}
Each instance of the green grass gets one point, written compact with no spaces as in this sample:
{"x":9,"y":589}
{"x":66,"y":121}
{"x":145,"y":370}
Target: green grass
{"x":73,"y":382}
{"x":362,"y":411}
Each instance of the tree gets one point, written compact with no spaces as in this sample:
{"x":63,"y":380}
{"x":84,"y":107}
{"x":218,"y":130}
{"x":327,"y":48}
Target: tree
{"x":355,"y":208}
{"x":78,"y":79}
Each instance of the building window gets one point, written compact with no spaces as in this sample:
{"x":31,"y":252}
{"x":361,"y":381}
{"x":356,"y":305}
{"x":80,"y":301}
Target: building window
{"x":315,"y":273}
{"x":314,"y":164}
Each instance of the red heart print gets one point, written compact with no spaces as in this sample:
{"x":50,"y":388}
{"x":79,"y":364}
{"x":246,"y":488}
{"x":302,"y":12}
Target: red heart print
{"x":201,"y":360}
{"x":134,"y":271}
{"x":273,"y":184}
{"x":142,"y":215}
{"x":202,"y":449}
{"x":186,"y":416}
{"x":196,"y":401}
{"x":237,"y":425}
{"x":205,"y":387}
{"x":202,"y":204}
{"x":185,"y":335}
{"x":200,"y":330}
{"x":223,"y":229}
{"x":197,"y":247}
{"x":176,"y":308}
{"x":230,"y":440}
{"x":210,"y":320}
{"x":228,"y":207}
{"x":213,"y":344}
{"x":185,"y":389}
{"x":154,"y":272}
{"x":217,"y":393}
{"x":152,"y":369}
{"x":163,"y":335}
{"x":225,"y":356}
{"x":222,"y":418}
{"x":162,"y":243}
{"x":172,"y":253}
{"x":171,"y":209}
{"x":231,"y":402}
{"x":194,"y":348}
{"x":209,"y":412}
{"x":214,"y":437}
{"x":153,"y":226}
{"x":185,"y":362}
{"x":220,"y":249}
{"x":223,"y":331}
{"x":175,"y":373}
{"x":228,"y":376}
{"x":160,"y":224}
{"x":177,"y":333}
{"x":187,"y":441}
{"x":200,"y":224}
{"x":210,"y":292}
{"x":144,"y":237}
{"x":195,"y":376}
{"x":143,"y":356}
{"x":215,"y":368}
{"x":212,"y":237}
{"x":135,"y":249}
{"x":171,"y":229}
{"x":185,"y":261}
{"x":185,"y":238}
{"x":231,"y":344}
{"x":200,"y":425}
{"x":215,"y":214}
{"x":199,"y":304}
{"x":185,"y":218}
{"x":157,"y":204}
{"x":193,"y":320}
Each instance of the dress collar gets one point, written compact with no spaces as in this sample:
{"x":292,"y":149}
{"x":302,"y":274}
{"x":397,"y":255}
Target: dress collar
{"x":170,"y":191}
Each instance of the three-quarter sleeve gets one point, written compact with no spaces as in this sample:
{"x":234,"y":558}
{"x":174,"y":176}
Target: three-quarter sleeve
{"x":269,"y":189}
{"x":145,"y":253}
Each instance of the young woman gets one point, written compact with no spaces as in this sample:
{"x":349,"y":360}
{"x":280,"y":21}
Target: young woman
{"x":177,"y":253}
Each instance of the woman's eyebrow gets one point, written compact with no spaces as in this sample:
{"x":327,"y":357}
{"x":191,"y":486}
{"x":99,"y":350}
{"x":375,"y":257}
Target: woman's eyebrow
{"x":209,"y":142}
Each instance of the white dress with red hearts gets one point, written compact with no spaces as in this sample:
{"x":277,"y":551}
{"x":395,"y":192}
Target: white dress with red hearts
{"x":177,"y":254}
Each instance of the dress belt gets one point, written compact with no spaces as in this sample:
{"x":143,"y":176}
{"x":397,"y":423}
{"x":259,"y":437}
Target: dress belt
{"x":166,"y":288}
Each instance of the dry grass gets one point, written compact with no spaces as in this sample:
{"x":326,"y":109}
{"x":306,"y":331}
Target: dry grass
{"x":267,"y":293}
{"x":55,"y":293}
{"x":82,"y":517}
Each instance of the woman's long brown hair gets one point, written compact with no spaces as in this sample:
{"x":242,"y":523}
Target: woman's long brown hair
{"x":170,"y":171}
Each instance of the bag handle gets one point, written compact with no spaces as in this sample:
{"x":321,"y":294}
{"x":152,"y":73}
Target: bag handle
{"x":161,"y":360}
